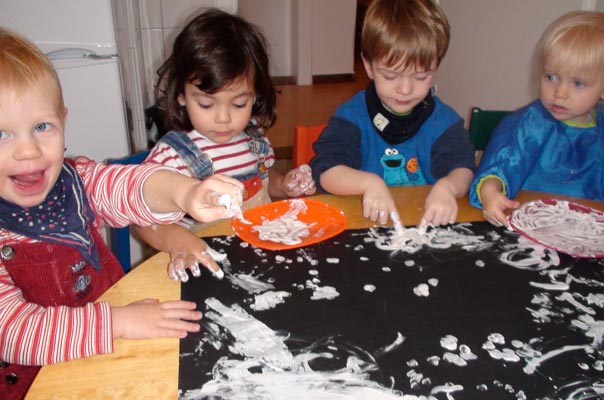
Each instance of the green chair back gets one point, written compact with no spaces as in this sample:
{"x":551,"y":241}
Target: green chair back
{"x":482,"y":124}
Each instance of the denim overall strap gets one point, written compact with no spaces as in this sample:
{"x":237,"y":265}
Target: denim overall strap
{"x":198,"y":163}
{"x":261,"y":148}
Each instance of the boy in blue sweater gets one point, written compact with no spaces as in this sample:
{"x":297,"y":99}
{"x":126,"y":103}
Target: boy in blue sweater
{"x":396,"y":132}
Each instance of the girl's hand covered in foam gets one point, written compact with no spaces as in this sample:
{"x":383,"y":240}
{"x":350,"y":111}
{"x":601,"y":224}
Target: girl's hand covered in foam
{"x":299,"y":181}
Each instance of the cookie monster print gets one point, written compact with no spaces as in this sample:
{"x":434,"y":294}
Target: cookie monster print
{"x":398,"y":171}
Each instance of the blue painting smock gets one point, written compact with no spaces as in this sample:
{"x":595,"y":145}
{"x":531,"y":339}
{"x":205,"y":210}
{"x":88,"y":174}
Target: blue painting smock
{"x":531,"y":150}
{"x":441,"y":145}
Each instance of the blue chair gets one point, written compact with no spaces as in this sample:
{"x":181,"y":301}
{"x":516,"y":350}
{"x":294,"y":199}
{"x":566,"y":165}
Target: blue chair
{"x":119,"y":238}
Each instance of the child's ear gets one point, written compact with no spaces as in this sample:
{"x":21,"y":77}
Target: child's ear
{"x":368,"y":67}
{"x":181,"y":100}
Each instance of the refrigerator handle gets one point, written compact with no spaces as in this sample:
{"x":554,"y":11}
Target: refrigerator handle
{"x":77,"y":54}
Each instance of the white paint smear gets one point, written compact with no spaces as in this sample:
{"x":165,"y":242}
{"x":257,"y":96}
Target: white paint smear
{"x":449,"y":342}
{"x":411,"y":240}
{"x":525,"y":254}
{"x":369,"y":288}
{"x":261,"y":360}
{"x":269,"y":300}
{"x":532,"y":365}
{"x":579,"y":232}
{"x":422,"y":290}
{"x":324,"y":293}
{"x":249,"y":283}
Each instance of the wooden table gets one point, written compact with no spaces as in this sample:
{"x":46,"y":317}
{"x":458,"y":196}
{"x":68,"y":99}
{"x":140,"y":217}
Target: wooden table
{"x":141,"y":369}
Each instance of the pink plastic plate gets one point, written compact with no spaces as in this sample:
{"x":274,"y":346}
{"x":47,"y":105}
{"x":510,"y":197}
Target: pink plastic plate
{"x":564,"y":226}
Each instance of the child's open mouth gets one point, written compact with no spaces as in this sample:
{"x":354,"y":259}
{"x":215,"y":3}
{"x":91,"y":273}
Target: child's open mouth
{"x":29,"y":181}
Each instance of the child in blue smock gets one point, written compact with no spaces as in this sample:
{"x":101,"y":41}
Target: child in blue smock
{"x":556,"y":143}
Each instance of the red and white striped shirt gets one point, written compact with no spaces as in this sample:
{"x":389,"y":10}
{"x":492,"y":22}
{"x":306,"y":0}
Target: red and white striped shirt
{"x":34,"y":335}
{"x":233,"y":158}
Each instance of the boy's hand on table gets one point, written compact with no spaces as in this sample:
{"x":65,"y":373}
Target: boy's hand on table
{"x":440,"y":206}
{"x":149,"y":319}
{"x":378,"y":203}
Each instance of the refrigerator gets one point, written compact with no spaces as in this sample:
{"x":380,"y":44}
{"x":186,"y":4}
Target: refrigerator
{"x":79,"y":38}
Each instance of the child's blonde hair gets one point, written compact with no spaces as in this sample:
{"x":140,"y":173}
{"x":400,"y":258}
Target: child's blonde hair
{"x":23,"y":66}
{"x":415,"y":32}
{"x":573,"y":43}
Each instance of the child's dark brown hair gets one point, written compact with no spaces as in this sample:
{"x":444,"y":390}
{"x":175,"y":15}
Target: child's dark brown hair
{"x":216,"y":49}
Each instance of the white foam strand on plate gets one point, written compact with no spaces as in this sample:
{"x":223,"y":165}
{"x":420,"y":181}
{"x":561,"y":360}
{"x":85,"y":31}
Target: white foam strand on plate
{"x":287,"y":228}
{"x":283,"y":375}
{"x":559,"y":226}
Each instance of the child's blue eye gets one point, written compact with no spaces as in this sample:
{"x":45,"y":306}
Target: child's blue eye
{"x":42,"y":127}
{"x":3,"y":135}
{"x":550,"y":77}
{"x":580,"y":84}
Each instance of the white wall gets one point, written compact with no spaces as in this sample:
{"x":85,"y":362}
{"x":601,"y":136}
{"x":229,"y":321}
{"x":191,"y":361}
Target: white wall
{"x":492,"y":41}
{"x":306,"y":37}
{"x":333,"y":24}
{"x":274,"y":18}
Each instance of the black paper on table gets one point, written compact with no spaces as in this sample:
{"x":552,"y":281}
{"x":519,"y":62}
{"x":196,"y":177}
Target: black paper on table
{"x":469,"y":302}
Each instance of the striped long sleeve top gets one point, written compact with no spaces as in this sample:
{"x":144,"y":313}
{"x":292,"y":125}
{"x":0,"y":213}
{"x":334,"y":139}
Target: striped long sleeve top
{"x":34,"y":335}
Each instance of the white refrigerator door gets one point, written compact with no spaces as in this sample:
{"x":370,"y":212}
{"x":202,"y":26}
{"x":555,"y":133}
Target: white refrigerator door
{"x":55,"y":24}
{"x":96,"y":125}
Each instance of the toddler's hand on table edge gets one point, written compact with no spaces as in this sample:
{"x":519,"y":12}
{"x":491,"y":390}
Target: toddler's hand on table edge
{"x":181,"y":261}
{"x":150,"y":318}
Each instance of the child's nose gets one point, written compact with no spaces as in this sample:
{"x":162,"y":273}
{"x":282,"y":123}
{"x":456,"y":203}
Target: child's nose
{"x":404,"y":86}
{"x":27,"y":148}
{"x":561,"y":91}
{"x":223,"y":115}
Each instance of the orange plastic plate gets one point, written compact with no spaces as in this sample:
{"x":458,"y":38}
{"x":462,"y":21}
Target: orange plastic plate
{"x":328,"y":222}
